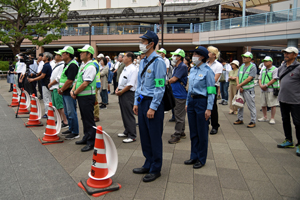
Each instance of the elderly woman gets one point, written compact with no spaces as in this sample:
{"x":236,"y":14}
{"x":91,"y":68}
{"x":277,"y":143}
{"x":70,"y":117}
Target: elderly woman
{"x":199,"y":104}
{"x":232,"y":85}
{"x":104,"y":83}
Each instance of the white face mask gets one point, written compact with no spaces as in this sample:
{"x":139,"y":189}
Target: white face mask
{"x":138,"y":61}
{"x":174,"y":61}
{"x":143,"y":48}
{"x":134,"y":62}
{"x":196,"y":60}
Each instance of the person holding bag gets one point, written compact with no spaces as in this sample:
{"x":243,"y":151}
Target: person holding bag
{"x":199,"y":104}
{"x":268,"y":82}
{"x":232,"y":85}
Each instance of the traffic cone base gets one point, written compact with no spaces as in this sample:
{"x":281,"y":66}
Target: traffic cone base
{"x":33,"y":124}
{"x":96,"y":192}
{"x":99,"y":183}
{"x":22,"y":112}
{"x":44,"y":142}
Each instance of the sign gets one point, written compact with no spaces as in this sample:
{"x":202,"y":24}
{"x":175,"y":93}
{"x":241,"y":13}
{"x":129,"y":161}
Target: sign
{"x":189,"y":20}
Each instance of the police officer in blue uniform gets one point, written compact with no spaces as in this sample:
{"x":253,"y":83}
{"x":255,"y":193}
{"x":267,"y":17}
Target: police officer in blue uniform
{"x":149,"y":107}
{"x":199,"y":104}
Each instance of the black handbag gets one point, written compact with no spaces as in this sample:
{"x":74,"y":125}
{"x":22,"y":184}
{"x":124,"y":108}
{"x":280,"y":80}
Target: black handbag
{"x":169,"y":99}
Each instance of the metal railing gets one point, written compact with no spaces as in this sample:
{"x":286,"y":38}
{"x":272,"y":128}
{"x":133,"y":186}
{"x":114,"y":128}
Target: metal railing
{"x":251,"y":20}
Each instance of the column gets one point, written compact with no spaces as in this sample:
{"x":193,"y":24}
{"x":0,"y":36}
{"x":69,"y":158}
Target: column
{"x":94,"y":45}
{"x":39,"y":50}
{"x":244,"y":13}
{"x":220,"y":9}
{"x":292,"y":43}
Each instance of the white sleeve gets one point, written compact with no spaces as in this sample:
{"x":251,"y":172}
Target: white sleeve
{"x":167,"y":63}
{"x":228,"y":68}
{"x":24,"y":69}
{"x":60,"y":70}
{"x":89,"y":74}
{"x":219,"y":69}
{"x":132,"y":79}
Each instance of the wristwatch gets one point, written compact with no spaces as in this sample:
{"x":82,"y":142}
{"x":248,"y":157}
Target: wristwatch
{"x":61,"y":91}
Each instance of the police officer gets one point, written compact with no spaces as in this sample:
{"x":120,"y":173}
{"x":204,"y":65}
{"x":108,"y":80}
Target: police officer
{"x":199,"y":105}
{"x":84,"y":90}
{"x":149,"y":107}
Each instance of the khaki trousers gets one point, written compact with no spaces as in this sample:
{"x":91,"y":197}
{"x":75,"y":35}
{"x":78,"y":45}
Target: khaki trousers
{"x":231,"y":92}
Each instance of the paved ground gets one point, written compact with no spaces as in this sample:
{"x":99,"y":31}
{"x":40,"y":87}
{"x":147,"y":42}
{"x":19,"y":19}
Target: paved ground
{"x":242,"y":163}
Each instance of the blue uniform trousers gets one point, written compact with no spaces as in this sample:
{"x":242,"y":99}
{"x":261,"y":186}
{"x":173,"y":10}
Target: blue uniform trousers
{"x":198,"y":128}
{"x":150,"y":132}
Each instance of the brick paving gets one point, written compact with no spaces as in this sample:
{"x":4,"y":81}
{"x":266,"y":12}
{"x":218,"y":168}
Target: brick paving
{"x":242,"y":163}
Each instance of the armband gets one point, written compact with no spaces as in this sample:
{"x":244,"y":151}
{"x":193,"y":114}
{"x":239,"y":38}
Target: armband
{"x":211,"y":90}
{"x":159,"y":82}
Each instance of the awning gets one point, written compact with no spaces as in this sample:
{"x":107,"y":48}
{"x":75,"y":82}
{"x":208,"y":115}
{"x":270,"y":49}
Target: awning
{"x":238,"y":5}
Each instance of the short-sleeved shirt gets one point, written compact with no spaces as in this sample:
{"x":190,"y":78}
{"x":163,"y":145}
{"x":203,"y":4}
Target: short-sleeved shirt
{"x":90,"y":73}
{"x":21,"y":67}
{"x":40,"y":67}
{"x":217,"y":68}
{"x":290,"y":84}
{"x":47,"y":69}
{"x":167,"y":61}
{"x":181,"y":72}
{"x":233,"y":73}
{"x":274,"y":76}
{"x":71,"y":73}
{"x":128,"y":77}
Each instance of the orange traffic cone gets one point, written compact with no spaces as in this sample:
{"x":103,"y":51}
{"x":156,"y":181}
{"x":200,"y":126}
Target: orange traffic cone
{"x":23,"y":107}
{"x":104,"y":166}
{"x":15,"y":98}
{"x":35,"y":113}
{"x":52,"y":130}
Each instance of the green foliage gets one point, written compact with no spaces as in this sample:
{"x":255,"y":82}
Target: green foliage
{"x":39,"y":21}
{"x":4,"y":65}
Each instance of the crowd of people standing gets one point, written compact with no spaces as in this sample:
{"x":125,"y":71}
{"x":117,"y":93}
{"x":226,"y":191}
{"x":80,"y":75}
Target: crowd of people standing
{"x":137,"y":82}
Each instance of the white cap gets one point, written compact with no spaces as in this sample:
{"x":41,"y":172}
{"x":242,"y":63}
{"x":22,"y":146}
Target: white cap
{"x":100,"y":55}
{"x":236,"y":62}
{"x":291,"y":50}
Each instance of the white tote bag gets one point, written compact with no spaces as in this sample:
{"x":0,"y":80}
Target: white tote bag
{"x":238,"y":100}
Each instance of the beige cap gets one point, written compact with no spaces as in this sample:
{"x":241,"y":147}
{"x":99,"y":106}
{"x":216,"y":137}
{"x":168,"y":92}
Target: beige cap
{"x":100,"y":55}
{"x":291,"y":50}
{"x":236,"y":62}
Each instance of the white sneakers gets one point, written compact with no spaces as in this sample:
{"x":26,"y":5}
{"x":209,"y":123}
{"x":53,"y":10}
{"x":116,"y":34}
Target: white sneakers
{"x":121,"y":135}
{"x":127,"y":140}
{"x":263,"y":119}
{"x":272,"y":121}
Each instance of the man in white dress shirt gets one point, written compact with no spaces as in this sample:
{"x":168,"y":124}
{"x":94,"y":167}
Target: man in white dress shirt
{"x":125,"y":91}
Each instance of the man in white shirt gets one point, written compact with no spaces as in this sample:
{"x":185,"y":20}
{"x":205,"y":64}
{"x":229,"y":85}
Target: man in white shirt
{"x":57,"y":99}
{"x":125,"y":91}
{"x":217,"y":68}
{"x":162,"y":52}
{"x":32,"y":74}
{"x":40,"y":63}
{"x":21,"y":70}
{"x":117,"y":64}
{"x":52,"y":63}
{"x":225,"y":84}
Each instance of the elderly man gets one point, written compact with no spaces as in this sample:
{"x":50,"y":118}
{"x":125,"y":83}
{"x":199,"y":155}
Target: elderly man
{"x":289,"y":96}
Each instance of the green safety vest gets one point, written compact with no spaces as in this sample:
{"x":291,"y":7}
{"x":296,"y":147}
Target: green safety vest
{"x":63,"y":77}
{"x":267,"y":77}
{"x":98,"y":74}
{"x":16,"y":67}
{"x":91,"y":88}
{"x":243,"y":77}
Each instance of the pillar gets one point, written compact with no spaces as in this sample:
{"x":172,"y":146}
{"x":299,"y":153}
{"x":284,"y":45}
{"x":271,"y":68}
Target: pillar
{"x":220,"y":9}
{"x":39,"y":50}
{"x":244,"y":13}
{"x":292,"y":43}
{"x":94,"y":45}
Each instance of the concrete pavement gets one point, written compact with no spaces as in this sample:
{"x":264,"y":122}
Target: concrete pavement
{"x":242,"y":163}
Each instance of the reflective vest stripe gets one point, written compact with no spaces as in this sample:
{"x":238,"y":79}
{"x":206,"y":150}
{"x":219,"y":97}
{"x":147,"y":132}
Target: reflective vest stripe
{"x":243,"y":76}
{"x":265,"y":77}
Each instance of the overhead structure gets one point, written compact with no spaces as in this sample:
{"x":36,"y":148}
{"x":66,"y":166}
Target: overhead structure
{"x":238,"y":5}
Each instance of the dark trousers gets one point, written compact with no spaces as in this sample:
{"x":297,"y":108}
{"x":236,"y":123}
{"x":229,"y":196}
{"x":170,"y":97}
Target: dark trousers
{"x":21,"y":85}
{"x":294,"y":110}
{"x":115,"y":81}
{"x":104,"y":96}
{"x":86,"y":107}
{"x":198,"y":128}
{"x":11,"y":86}
{"x":150,"y":132}
{"x":215,"y":114}
{"x":30,"y":87}
{"x":40,"y":88}
{"x":126,"y":102}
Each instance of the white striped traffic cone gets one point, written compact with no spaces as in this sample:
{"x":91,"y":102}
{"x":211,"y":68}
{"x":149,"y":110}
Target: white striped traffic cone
{"x":35,"y":113}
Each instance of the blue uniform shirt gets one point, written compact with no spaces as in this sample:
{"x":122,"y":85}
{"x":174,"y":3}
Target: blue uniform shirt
{"x":181,"y":72}
{"x":199,"y":79}
{"x":146,"y":85}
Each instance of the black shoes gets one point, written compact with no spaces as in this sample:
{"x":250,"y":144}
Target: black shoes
{"x":67,"y":132}
{"x":197,"y":165}
{"x":80,"y":142}
{"x":151,"y":177}
{"x":141,"y":170}
{"x":190,"y":162}
{"x":88,"y":147}
{"x":214,"y":131}
{"x":172,"y":120}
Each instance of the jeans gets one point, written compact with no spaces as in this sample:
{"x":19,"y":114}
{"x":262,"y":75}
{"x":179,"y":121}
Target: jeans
{"x":71,"y":113}
{"x":104,"y":96}
{"x":224,"y":90}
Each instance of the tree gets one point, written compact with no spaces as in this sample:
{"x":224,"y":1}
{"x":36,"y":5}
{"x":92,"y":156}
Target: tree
{"x":39,"y":21}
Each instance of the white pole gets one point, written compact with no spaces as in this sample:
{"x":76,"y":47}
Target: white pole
{"x":244,"y":13}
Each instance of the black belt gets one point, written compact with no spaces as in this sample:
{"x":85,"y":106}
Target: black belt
{"x":198,"y":96}
{"x":147,"y":98}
